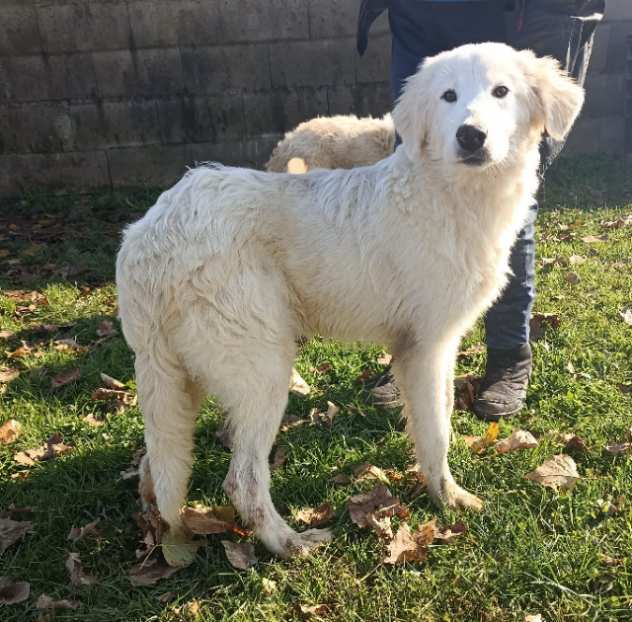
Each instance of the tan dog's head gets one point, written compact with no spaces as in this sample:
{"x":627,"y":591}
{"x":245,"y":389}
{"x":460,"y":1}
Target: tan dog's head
{"x":476,"y":105}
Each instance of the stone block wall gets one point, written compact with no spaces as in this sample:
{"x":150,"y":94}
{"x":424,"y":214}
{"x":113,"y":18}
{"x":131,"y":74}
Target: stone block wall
{"x":126,"y":92}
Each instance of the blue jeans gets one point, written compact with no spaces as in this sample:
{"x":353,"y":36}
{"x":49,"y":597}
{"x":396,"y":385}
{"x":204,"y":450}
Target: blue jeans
{"x":421,"y":28}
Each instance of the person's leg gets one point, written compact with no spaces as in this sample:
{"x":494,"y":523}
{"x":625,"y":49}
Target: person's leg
{"x":549,"y":27}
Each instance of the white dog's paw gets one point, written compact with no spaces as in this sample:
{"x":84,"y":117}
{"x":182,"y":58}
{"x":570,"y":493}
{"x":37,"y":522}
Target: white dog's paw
{"x":451,"y":495}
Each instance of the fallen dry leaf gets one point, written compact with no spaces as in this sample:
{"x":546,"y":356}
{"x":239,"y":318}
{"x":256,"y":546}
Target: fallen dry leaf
{"x":241,"y":555}
{"x":19,"y":353}
{"x":112,"y":383}
{"x":341,"y":479}
{"x":369,"y":471}
{"x":315,"y":610}
{"x":292,"y":421}
{"x":519,"y":439}
{"x":593,"y":239}
{"x":576,"y":260}
{"x":7,"y":375}
{"x":178,"y":550}
{"x":268,"y":586}
{"x":65,"y":377}
{"x":9,"y":431}
{"x":69,"y":345}
{"x":367,"y":509}
{"x":626,"y":316}
{"x":540,"y":322}
{"x":75,"y":569}
{"x":618,"y":223}
{"x":313,"y":517}
{"x":6,"y":334}
{"x":478,"y":444}
{"x":11,"y":531}
{"x":106,"y":329}
{"x":13,"y":592}
{"x":409,"y":546}
{"x":202,"y":520}
{"x":384,"y":359}
{"x":278,"y":458}
{"x":325,"y":418}
{"x":465,"y":391}
{"x":150,"y":571}
{"x":115,"y":399}
{"x":44,"y":601}
{"x":77,"y":533}
{"x":572,"y":442}
{"x":92,"y":421}
{"x":619,"y":448}
{"x":53,"y":448}
{"x":451,"y":533}
{"x":559,"y":472}
{"x":533,"y":618}
{"x":298,"y":386}
{"x":572,"y":278}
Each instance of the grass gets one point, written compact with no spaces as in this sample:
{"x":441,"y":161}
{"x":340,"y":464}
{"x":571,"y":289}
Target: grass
{"x":532,"y":550}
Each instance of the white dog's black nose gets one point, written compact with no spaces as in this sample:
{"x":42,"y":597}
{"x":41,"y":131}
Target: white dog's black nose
{"x":470,"y":138}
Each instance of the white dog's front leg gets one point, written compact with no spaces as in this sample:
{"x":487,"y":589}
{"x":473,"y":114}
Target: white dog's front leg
{"x":423,"y":375}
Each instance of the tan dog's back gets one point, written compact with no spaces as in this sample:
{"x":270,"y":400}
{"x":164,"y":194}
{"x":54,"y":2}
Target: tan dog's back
{"x":343,"y":141}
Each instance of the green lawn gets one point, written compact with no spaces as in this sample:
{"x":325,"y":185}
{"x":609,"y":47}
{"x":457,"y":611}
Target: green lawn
{"x":532,"y":550}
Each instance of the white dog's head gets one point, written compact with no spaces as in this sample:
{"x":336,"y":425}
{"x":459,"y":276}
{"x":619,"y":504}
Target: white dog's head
{"x":476,"y":105}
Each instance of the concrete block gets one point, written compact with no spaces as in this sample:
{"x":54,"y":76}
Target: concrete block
{"x":297,"y":106}
{"x":70,"y":171}
{"x":249,"y":153}
{"x":253,"y":20}
{"x":6,"y":84}
{"x":40,"y":127}
{"x":153,"y":165}
{"x":84,"y":26}
{"x":191,"y":119}
{"x":71,"y":76}
{"x":332,"y":18}
{"x":214,"y":70}
{"x":605,"y":95}
{"x":109,"y":124}
{"x":19,"y":33}
{"x":375,"y":65}
{"x":153,"y":23}
{"x":313,"y":63}
{"x":29,"y":78}
{"x":266,"y":112}
{"x":362,"y":100}
{"x":125,"y":73}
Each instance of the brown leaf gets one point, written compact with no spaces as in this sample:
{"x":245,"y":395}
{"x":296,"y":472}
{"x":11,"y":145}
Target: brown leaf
{"x":315,"y":610}
{"x":409,"y":546}
{"x":7,"y":375}
{"x":53,"y":448}
{"x":540,"y":322}
{"x":366,"y":508}
{"x":534,"y":618}
{"x":9,"y":431}
{"x":178,"y":549}
{"x":111,"y":383}
{"x":572,"y":442}
{"x":241,"y":555}
{"x":65,"y":377}
{"x":278,"y":458}
{"x":90,"y":529}
{"x":315,"y":516}
{"x":626,"y":315}
{"x":324,"y":418}
{"x":69,"y":345}
{"x":93,"y":421}
{"x":13,"y":592}
{"x":268,"y":586}
{"x":298,"y":386}
{"x":384,"y":359}
{"x":593,"y":239}
{"x":451,"y":533}
{"x":381,"y":525}
{"x":292,"y":421}
{"x":572,"y":278}
{"x":75,"y":569}
{"x":24,"y":350}
{"x":576,"y":260}
{"x":478,"y":444}
{"x":150,"y":571}
{"x":369,"y":471}
{"x":619,"y":448}
{"x":203,"y":520}
{"x":465,"y":391}
{"x":44,"y":601}
{"x":115,"y":399}
{"x":519,"y":439}
{"x":559,"y":472}
{"x":11,"y":531}
{"x":106,"y":329}
{"x":341,"y":479}
{"x":6,"y":334}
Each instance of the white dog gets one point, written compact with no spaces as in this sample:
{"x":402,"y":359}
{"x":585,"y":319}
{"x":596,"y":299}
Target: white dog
{"x":231,"y":265}
{"x":343,"y":141}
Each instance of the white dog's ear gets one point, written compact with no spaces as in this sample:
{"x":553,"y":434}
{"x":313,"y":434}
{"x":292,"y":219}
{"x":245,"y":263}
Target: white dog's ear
{"x":560,"y":97}
{"x":410,"y":115}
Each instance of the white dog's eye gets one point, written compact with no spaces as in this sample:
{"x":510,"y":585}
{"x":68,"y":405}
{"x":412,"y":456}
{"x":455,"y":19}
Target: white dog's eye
{"x":500,"y":91}
{"x":449,"y":96}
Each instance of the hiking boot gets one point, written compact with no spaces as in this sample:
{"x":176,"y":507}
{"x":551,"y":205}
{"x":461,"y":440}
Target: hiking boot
{"x":384,"y":392}
{"x":503,"y":389}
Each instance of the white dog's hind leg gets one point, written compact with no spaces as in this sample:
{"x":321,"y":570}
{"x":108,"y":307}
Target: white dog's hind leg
{"x":256,"y":401}
{"x":423,"y":376}
{"x":169,"y":402}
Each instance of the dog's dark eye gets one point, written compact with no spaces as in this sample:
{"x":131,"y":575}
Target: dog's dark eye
{"x":449,"y":96}
{"x":500,"y":91}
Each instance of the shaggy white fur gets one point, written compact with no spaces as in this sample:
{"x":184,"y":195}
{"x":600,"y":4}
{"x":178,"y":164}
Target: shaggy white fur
{"x":343,"y":141}
{"x":230,"y":265}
